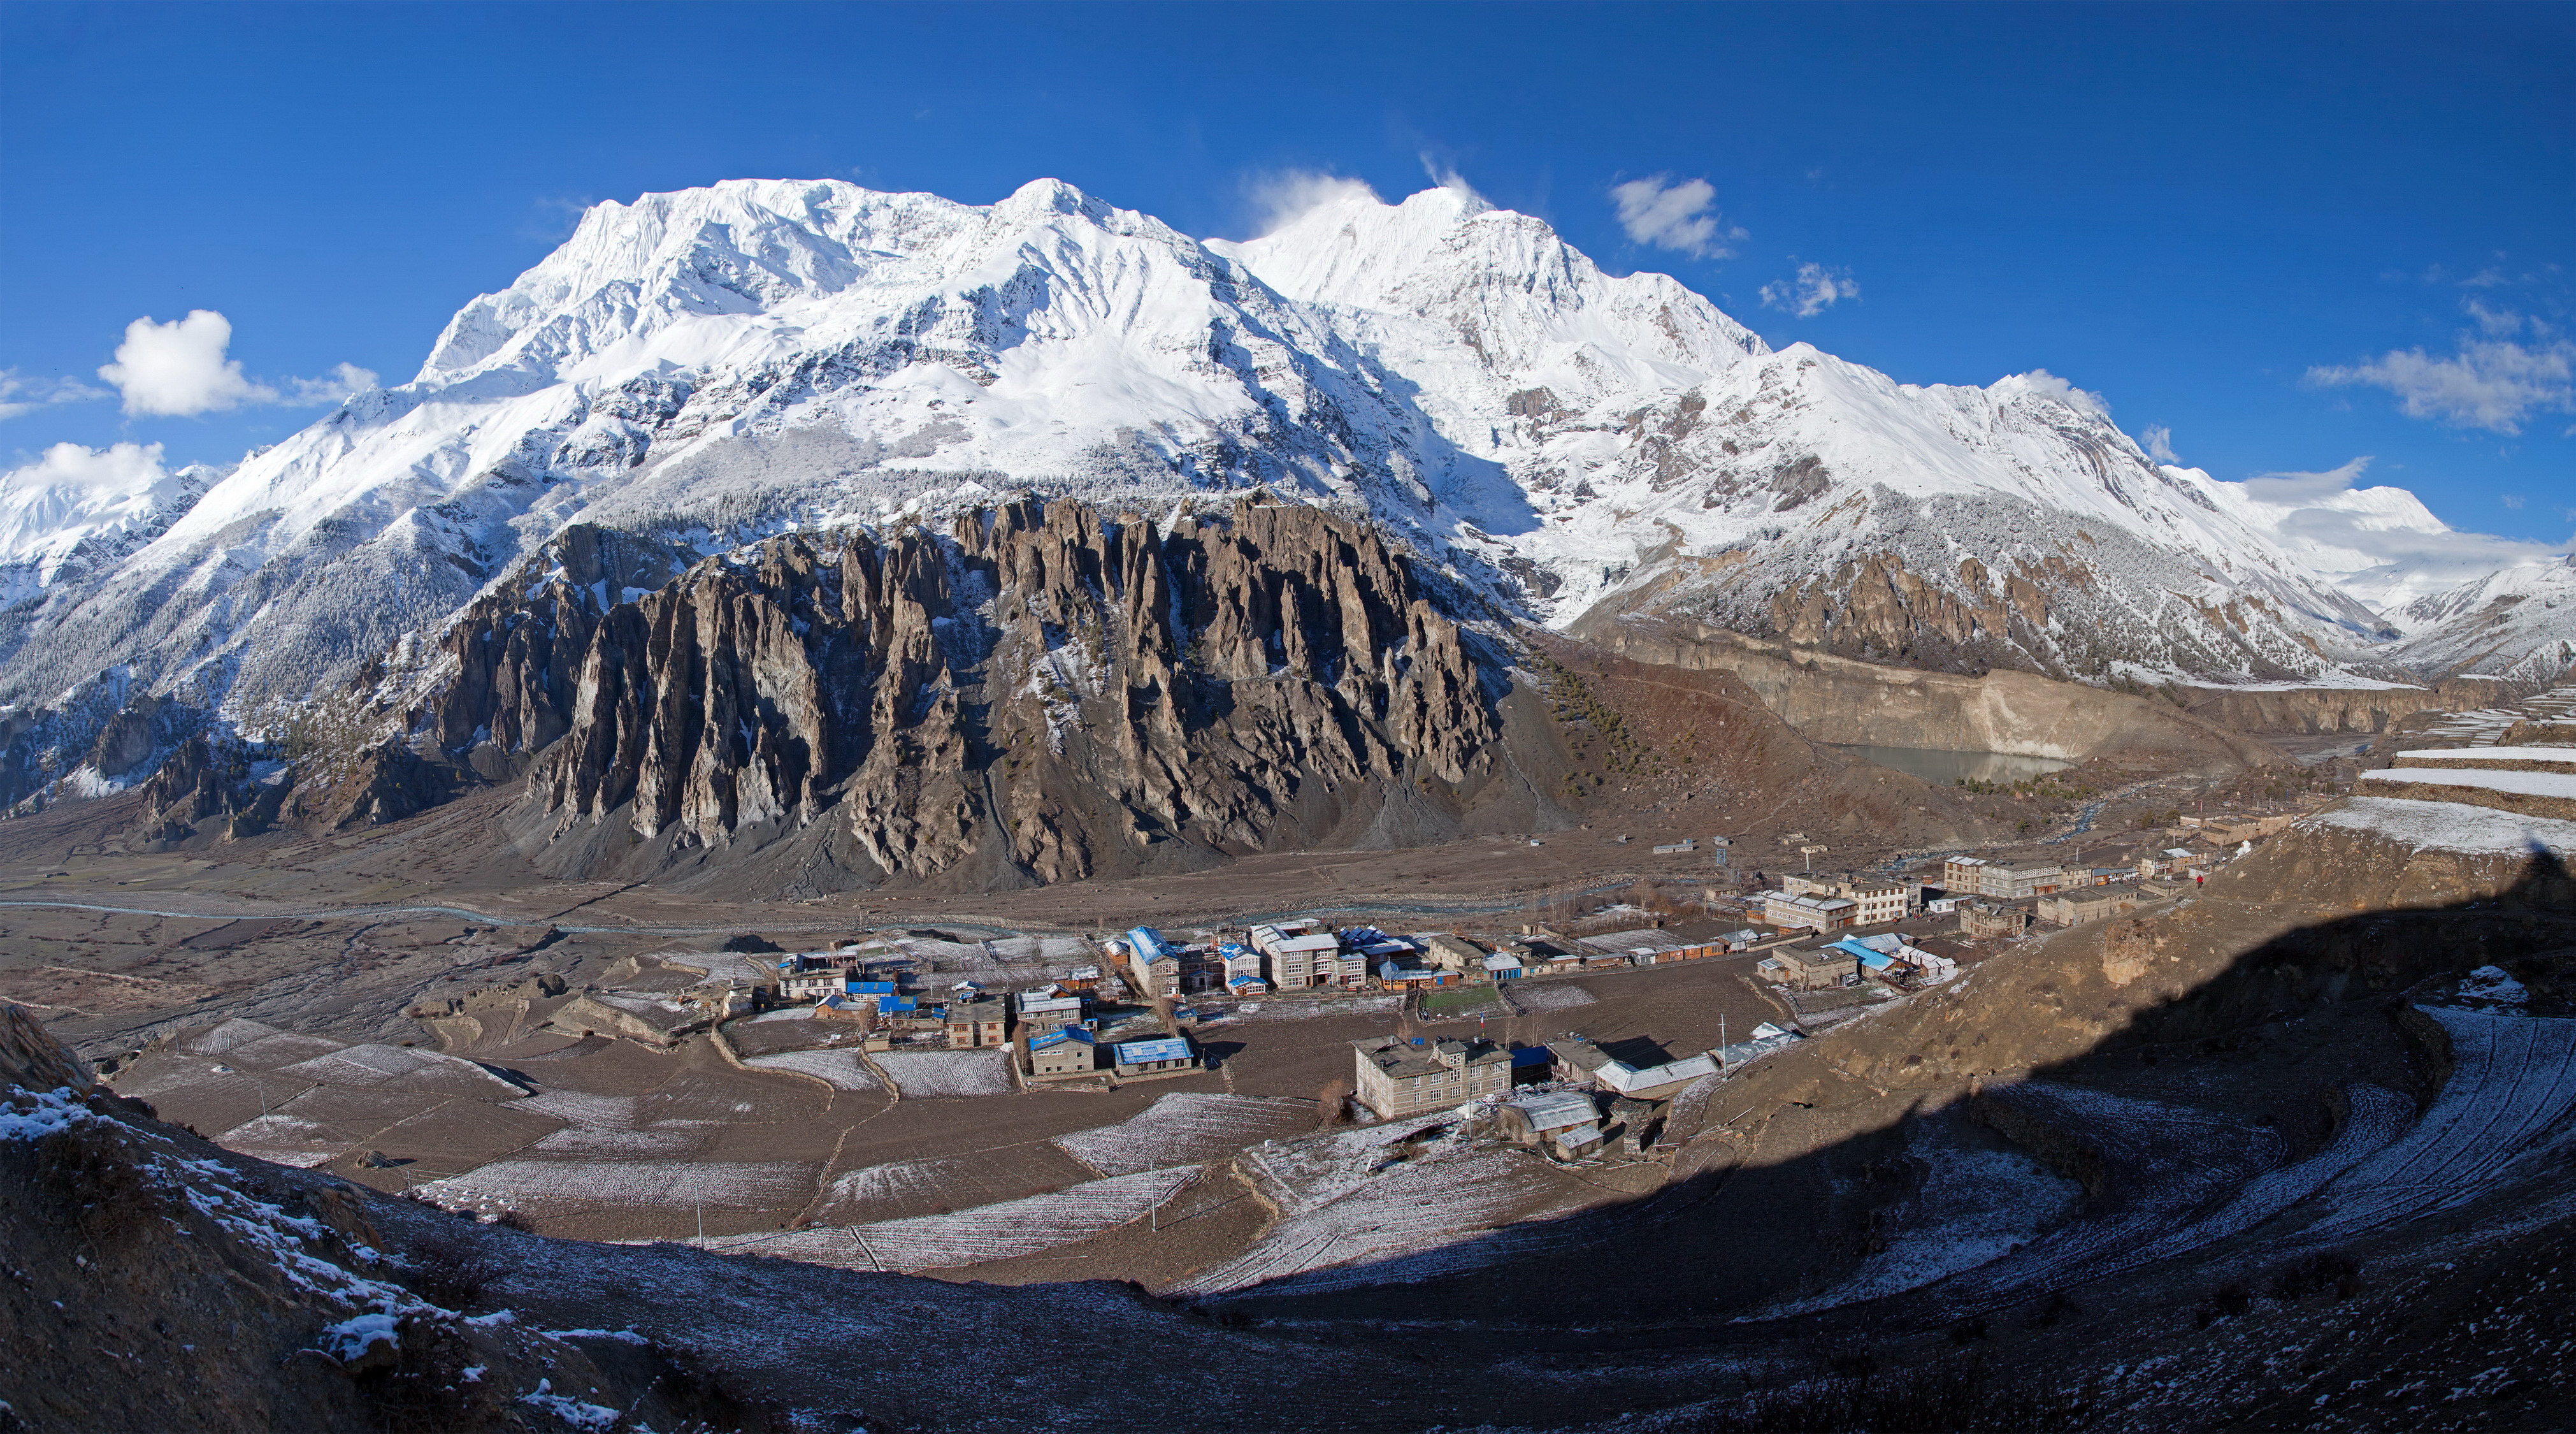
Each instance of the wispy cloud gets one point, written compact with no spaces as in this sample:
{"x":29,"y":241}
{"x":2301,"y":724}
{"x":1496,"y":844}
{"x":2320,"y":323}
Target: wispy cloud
{"x":1814,"y":290}
{"x":1682,"y":217}
{"x":180,"y":368}
{"x":2486,"y":383}
{"x":1280,"y":197}
{"x":2158,"y":441}
{"x":2292,"y":489}
{"x":1446,"y":175}
{"x":21,"y":394}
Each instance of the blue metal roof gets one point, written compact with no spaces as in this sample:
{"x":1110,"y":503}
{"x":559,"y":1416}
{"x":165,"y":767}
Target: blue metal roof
{"x":870,"y":988}
{"x":1149,"y":943}
{"x":1532,"y":1056}
{"x":1059,"y":1036}
{"x":1169,"y":1048}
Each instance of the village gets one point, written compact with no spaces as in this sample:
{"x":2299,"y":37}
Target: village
{"x":1821,"y":947}
{"x":1200,"y":1103}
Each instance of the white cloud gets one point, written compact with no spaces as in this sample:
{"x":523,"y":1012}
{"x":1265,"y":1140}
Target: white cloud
{"x":2513,"y":501}
{"x":117,"y":468}
{"x":2041,"y":381}
{"x":179,"y":368}
{"x":20,"y":394}
{"x":2490,"y":383}
{"x":1680,"y":217}
{"x":2158,"y":441}
{"x":1280,"y":197}
{"x":1815,"y":290}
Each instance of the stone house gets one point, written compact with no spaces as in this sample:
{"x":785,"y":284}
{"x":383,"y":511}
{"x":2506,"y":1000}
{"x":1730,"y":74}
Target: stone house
{"x":1399,"y":1077}
{"x":1987,"y":918}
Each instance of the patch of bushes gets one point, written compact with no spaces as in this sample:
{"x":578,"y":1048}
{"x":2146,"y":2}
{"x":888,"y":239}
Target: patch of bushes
{"x":2328,"y":1270}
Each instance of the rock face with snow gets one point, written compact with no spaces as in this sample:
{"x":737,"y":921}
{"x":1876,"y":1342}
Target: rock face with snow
{"x":1031,"y":691}
{"x":721,"y":364}
{"x":2518,"y":624}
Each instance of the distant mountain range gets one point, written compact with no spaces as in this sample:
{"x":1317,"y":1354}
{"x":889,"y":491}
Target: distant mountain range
{"x":715,"y":366}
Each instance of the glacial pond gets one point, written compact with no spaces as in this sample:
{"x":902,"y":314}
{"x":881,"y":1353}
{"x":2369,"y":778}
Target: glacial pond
{"x":1943,"y":768}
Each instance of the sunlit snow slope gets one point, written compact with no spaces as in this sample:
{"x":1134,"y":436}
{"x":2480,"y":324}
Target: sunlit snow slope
{"x":721,"y":363}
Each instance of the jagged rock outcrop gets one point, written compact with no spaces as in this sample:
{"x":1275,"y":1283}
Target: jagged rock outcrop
{"x":1037,"y":687}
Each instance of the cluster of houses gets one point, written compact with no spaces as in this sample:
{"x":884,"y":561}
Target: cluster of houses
{"x":1303,"y":955}
{"x":1569,"y":1098}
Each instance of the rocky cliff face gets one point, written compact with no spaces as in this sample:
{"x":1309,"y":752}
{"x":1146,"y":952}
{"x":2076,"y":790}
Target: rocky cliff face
{"x":1034,"y":692}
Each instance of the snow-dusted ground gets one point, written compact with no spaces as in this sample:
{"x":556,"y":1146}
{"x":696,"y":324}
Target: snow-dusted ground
{"x":2171,"y":1165}
{"x":2493,"y":986}
{"x":2520,"y":784}
{"x":1301,"y":1009}
{"x":1976,"y":1206}
{"x":543,"y":1186}
{"x":1551,"y":995}
{"x":1374,"y":1193}
{"x":582,"y":1107}
{"x":2512,"y":1086}
{"x":842,"y":1068}
{"x":920,"y":1075}
{"x":2449,"y":826}
{"x":668,"y":1139}
{"x":1184,"y":1128}
{"x":2491,"y":754}
{"x":989,"y":1232}
{"x":407,"y":1067}
{"x":896,"y":1183}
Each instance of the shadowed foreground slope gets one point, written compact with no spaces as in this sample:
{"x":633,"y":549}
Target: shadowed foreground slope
{"x":2270,"y":1165}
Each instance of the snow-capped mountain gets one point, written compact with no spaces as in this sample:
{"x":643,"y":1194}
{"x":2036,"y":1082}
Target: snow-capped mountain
{"x":724,"y":363}
{"x":73,"y":514}
{"x":2519,"y":624}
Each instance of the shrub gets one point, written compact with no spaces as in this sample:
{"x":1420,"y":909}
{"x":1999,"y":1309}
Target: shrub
{"x":2328,"y":1270}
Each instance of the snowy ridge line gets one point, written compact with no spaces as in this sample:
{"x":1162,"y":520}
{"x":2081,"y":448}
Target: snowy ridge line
{"x":724,"y":364}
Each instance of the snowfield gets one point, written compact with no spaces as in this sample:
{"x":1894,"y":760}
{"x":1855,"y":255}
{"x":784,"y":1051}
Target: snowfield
{"x":926,"y":1075}
{"x":1186,"y":1128}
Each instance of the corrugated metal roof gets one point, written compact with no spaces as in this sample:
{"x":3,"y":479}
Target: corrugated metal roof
{"x":1169,"y":1048}
{"x":1555,"y":1109}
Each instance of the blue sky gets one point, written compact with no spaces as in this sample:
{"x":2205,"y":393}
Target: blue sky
{"x":2290,"y":236}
